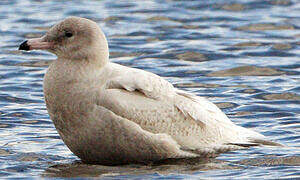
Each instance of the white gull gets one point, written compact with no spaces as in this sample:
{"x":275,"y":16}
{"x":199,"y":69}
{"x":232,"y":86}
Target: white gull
{"x":111,"y":114}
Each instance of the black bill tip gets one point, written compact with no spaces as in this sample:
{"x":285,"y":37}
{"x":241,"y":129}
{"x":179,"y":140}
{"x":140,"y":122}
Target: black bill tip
{"x":24,"y":46}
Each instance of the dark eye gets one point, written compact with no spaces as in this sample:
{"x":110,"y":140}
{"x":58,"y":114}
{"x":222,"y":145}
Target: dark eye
{"x":68,"y":34}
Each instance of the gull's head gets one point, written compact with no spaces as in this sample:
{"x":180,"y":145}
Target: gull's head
{"x":74,"y":39}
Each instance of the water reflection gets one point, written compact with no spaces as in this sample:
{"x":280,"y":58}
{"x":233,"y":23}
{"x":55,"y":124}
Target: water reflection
{"x":78,"y":169}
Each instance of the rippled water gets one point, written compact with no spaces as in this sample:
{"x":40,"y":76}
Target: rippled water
{"x":242,"y":55}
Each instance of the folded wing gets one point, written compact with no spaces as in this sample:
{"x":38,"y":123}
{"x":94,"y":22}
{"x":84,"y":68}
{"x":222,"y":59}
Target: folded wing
{"x":148,"y":100}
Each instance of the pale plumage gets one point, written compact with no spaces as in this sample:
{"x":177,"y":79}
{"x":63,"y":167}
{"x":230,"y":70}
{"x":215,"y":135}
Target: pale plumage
{"x":111,"y":114}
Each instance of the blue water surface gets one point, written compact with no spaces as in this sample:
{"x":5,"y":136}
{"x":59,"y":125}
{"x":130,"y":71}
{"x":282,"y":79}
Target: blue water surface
{"x":243,"y":55}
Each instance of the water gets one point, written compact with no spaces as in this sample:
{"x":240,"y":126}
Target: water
{"x":242,"y":55}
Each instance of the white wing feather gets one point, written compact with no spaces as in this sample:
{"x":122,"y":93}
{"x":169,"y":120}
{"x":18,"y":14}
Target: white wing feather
{"x":155,"y":105}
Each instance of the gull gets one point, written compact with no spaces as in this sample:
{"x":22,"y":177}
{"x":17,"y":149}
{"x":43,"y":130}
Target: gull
{"x":111,"y":114}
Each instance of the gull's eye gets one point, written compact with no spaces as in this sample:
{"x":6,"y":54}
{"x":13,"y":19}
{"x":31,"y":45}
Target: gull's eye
{"x":68,"y":34}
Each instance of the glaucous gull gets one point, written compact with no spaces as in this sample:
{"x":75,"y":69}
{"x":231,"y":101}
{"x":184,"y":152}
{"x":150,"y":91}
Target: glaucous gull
{"x":111,"y":114}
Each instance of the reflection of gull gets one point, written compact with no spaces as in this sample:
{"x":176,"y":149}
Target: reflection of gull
{"x":110,"y":114}
{"x":186,"y":166}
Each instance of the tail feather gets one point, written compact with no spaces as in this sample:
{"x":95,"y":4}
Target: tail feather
{"x":212,"y":151}
{"x":246,"y":145}
{"x":251,"y":138}
{"x":257,"y":142}
{"x":266,"y":142}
